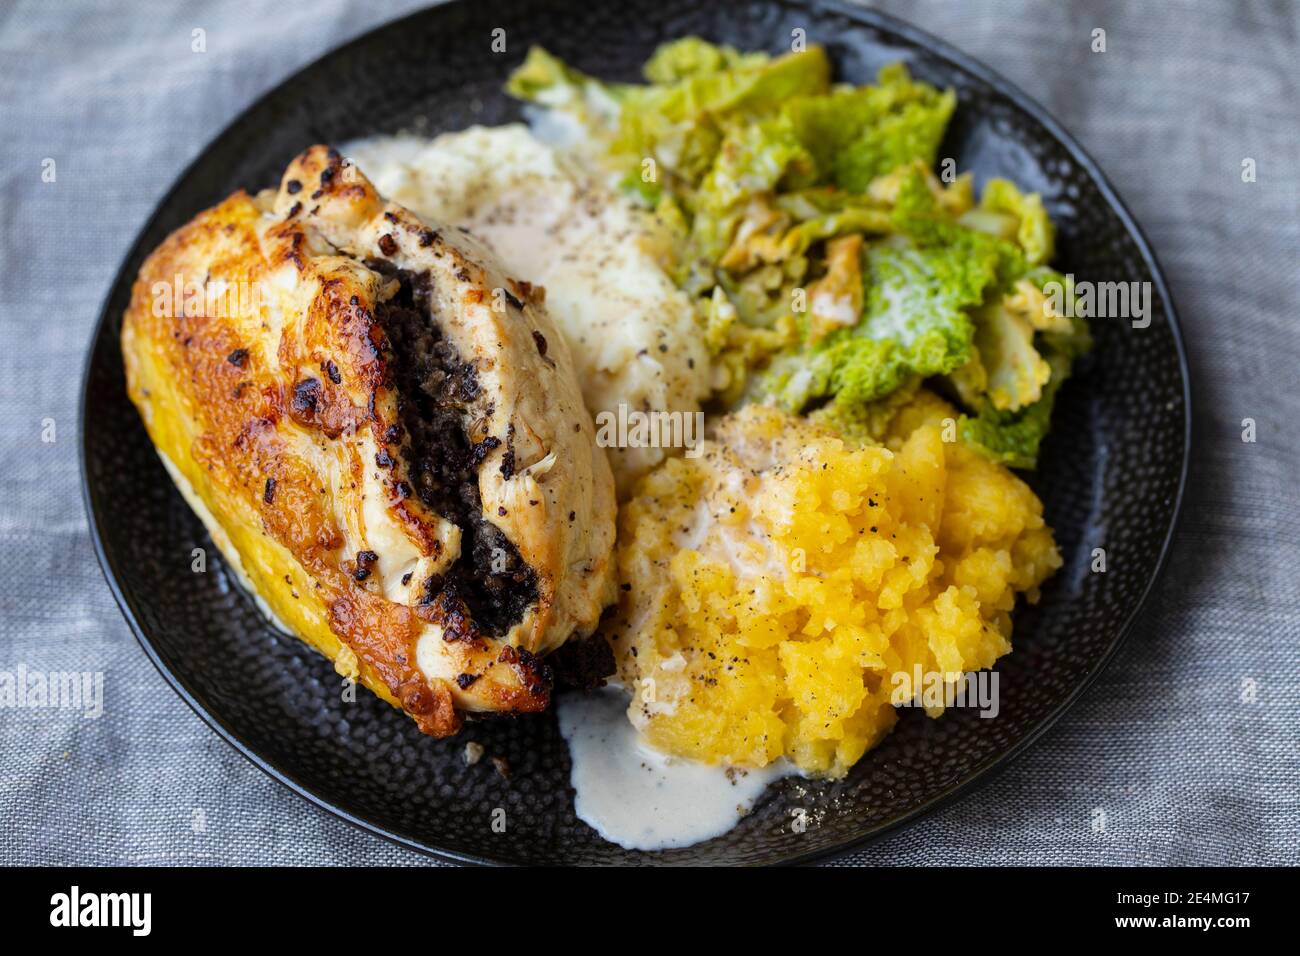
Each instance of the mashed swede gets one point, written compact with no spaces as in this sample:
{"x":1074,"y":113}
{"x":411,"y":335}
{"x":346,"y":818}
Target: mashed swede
{"x":774,"y":585}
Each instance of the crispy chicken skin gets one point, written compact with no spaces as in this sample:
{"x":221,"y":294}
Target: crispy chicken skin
{"x":384,"y":435}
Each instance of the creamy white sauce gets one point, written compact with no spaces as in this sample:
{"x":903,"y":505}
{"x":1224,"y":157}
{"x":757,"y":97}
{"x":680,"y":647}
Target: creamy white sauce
{"x":640,"y":798}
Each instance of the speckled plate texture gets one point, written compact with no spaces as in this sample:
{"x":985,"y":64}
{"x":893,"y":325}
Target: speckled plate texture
{"x":1111,"y":475}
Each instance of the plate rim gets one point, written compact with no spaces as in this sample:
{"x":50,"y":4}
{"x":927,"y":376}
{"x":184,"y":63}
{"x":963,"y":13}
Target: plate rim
{"x":979,"y":776}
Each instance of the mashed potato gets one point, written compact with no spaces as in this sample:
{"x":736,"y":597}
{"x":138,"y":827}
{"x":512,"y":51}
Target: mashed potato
{"x":633,"y":333}
{"x":773,"y":586}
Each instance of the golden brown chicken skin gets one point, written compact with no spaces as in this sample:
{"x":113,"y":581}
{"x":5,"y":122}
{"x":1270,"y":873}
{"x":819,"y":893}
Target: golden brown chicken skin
{"x":383,"y":434}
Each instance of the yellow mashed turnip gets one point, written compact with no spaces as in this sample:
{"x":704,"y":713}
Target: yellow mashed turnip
{"x":776,"y":584}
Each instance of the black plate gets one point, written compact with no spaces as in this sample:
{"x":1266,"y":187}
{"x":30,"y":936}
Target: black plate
{"x":1112,"y":473}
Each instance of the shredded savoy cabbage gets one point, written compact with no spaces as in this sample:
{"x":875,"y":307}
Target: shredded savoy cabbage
{"x":831,"y":268}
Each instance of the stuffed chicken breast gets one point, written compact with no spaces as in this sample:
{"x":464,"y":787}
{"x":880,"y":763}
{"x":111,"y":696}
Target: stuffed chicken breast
{"x":383,"y":433}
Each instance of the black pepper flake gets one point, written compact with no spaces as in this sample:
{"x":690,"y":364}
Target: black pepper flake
{"x":293,"y":187}
{"x":502,"y":511}
{"x":331,"y":370}
{"x":572,"y":515}
{"x":403,"y":490}
{"x":317,"y":194}
{"x":326,"y":175}
{"x":427,"y":237}
{"x":387,"y":244}
{"x":383,"y":459}
{"x":406,"y":578}
{"x":238,"y":358}
{"x":463,"y":681}
{"x":268,"y":492}
{"x":541,"y":342}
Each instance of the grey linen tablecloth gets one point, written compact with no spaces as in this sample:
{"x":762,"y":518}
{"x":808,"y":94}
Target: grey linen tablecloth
{"x":1187,"y":745}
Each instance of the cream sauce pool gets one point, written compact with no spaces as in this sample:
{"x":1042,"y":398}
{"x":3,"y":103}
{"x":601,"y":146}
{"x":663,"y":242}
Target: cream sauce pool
{"x":640,"y":798}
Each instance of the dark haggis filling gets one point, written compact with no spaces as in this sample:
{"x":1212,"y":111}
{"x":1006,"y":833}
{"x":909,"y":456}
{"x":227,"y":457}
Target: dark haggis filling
{"x":435,"y":392}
